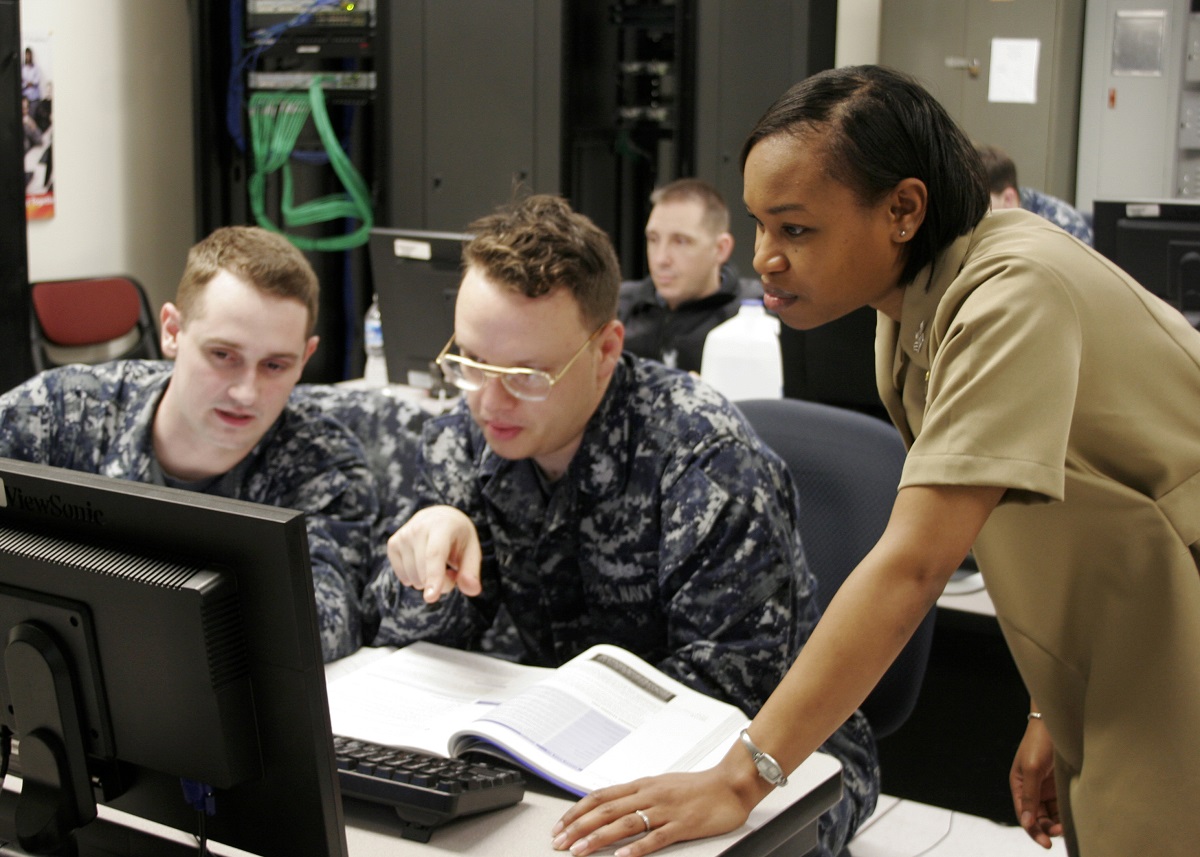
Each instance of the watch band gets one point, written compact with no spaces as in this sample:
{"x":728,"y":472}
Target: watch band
{"x":768,"y":768}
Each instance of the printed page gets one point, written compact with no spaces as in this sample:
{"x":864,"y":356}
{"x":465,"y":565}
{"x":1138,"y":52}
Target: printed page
{"x":606,"y":717}
{"x":420,"y":695}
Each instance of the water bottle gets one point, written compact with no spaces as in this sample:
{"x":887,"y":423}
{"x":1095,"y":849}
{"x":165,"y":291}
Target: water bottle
{"x":741,"y":357}
{"x":375,"y":374}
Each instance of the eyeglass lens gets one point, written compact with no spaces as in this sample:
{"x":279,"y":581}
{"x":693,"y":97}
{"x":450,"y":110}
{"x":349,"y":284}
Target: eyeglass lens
{"x":471,"y":378}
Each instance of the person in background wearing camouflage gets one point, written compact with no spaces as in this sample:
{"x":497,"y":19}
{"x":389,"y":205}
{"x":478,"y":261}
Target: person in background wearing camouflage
{"x":217,"y":420}
{"x":1006,"y":193}
{"x":598,"y":497}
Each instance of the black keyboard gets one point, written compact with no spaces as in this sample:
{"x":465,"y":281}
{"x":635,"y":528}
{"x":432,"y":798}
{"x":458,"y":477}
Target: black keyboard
{"x":424,"y":789}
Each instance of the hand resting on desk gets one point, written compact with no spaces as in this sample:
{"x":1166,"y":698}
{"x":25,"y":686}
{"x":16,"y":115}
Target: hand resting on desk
{"x":673,"y":808}
{"x":437,"y":551}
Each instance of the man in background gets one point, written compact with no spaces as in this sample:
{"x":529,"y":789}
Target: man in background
{"x":582,"y":495}
{"x":692,"y":286}
{"x":217,"y":420}
{"x":1006,"y":193}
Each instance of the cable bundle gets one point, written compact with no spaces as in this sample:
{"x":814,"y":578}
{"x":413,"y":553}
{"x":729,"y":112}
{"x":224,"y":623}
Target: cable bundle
{"x":276,"y":119}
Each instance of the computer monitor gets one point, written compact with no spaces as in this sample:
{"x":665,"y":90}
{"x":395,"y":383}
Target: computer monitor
{"x":415,"y":274}
{"x":1157,"y":242}
{"x":155,"y":638}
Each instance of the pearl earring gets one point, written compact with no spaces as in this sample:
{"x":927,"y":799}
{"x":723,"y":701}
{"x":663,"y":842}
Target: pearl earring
{"x":903,"y":232}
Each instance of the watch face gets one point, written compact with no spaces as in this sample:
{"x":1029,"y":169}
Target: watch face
{"x":767,"y":767}
{"x":770,"y":771}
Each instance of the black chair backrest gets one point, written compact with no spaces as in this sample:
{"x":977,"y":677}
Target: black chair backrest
{"x":846,"y":466}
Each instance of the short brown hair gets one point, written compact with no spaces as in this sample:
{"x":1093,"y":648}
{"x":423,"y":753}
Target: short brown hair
{"x":1000,"y":169}
{"x":716,"y":212}
{"x":264,"y":259}
{"x":539,"y":244}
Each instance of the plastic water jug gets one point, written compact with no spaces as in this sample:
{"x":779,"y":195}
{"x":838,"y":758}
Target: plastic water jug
{"x":741,"y":356}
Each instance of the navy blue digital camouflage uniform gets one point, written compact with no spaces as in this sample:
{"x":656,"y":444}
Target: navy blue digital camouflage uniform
{"x":389,"y":427}
{"x":1057,"y":211}
{"x":673,"y":534}
{"x":98,"y":419}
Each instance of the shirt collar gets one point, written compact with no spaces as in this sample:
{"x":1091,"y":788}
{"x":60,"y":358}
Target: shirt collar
{"x":921,"y":299}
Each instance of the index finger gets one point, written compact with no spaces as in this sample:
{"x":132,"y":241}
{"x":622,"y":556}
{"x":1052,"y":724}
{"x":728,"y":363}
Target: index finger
{"x":438,"y":575}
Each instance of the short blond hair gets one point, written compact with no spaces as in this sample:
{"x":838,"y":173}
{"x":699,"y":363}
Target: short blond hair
{"x":266,"y":260}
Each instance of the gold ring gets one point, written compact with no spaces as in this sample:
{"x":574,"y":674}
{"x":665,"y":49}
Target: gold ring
{"x":645,"y":819}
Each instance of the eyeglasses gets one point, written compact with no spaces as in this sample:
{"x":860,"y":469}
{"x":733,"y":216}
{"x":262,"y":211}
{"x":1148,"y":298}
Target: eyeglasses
{"x":530,"y":385}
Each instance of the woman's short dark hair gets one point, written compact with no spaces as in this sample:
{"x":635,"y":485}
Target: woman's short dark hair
{"x":878,"y":127}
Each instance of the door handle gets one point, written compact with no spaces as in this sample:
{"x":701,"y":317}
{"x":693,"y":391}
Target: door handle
{"x":973,"y":67}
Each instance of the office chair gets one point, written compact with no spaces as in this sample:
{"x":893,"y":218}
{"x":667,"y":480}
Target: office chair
{"x":91,"y":320}
{"x":846,"y":466}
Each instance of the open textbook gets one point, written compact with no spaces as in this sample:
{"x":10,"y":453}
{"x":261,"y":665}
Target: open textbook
{"x":602,"y":718}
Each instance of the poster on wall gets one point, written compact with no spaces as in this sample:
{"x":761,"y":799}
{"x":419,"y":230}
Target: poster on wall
{"x":37,"y":99}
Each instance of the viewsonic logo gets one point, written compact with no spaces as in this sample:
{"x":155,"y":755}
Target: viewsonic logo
{"x":52,"y":505}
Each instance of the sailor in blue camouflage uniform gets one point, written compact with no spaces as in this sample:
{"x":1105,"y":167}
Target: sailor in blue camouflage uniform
{"x":599,"y":497}
{"x":389,"y":426}
{"x":215,"y":420}
{"x":1006,"y":193}
{"x":1057,"y":211}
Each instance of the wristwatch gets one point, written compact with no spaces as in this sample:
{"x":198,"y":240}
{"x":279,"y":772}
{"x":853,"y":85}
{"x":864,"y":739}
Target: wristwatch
{"x":768,"y":768}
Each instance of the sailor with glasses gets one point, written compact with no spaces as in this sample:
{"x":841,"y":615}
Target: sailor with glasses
{"x":585,"y":495}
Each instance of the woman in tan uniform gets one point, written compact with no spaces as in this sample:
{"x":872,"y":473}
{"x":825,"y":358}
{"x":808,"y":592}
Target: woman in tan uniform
{"x":1052,"y":411}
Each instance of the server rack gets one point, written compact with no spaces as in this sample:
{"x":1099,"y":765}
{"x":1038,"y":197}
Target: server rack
{"x":475,"y":102}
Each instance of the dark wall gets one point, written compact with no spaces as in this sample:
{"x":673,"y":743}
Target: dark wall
{"x":834,"y":363}
{"x":749,"y":54}
{"x":16,"y":361}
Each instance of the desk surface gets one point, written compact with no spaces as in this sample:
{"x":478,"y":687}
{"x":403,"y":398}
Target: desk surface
{"x":784,"y":823}
{"x":971,"y":598}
